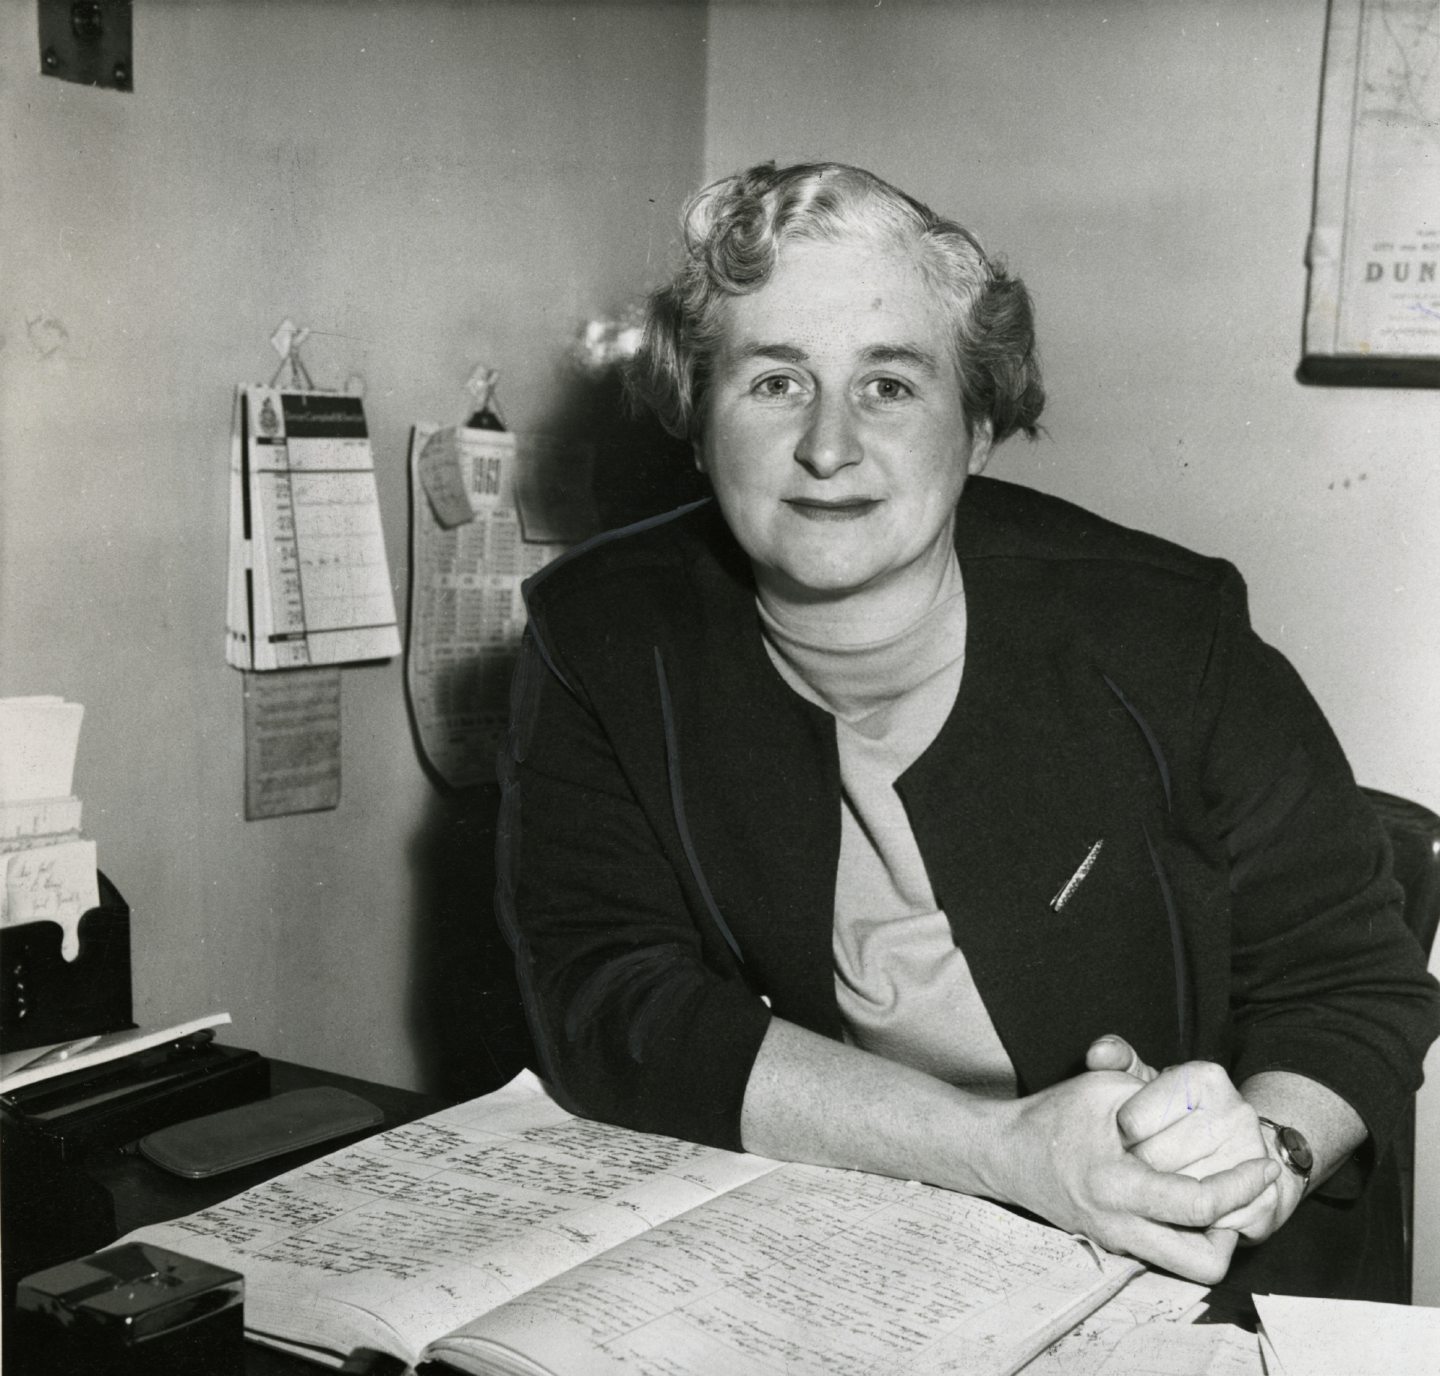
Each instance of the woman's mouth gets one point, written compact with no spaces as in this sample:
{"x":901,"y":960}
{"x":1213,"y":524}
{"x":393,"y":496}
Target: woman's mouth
{"x":837,"y":509}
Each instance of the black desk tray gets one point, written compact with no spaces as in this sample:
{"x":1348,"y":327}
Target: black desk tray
{"x":119,"y":1101}
{"x":45,"y":998}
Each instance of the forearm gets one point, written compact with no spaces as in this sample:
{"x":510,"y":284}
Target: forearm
{"x":1056,"y":1153}
{"x":812,"y":1099}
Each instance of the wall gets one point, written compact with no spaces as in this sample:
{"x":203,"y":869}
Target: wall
{"x":1147,"y":168}
{"x":434,"y":185}
{"x":427,"y":186}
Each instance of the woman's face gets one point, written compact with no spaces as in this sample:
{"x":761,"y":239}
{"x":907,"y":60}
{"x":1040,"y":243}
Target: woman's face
{"x":833,"y":432}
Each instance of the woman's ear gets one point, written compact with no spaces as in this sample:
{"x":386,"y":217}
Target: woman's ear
{"x":699,"y":452}
{"x":982,"y":443}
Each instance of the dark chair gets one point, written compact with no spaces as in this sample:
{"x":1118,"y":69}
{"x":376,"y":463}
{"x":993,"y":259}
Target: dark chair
{"x":1357,"y":1246}
{"x":1414,"y":833}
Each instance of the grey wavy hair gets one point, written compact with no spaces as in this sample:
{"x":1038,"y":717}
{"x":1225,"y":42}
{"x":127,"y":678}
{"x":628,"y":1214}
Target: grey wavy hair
{"x":733,"y":231}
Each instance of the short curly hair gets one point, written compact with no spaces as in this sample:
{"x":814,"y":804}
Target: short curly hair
{"x":733,"y":231}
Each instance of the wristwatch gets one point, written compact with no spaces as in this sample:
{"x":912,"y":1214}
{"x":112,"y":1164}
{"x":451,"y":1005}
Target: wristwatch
{"x":1292,"y":1149}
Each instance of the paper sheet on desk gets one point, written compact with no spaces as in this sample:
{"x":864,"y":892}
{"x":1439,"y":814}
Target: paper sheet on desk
{"x":1147,"y":1330}
{"x":1313,"y":1337}
{"x":20,"y":1068}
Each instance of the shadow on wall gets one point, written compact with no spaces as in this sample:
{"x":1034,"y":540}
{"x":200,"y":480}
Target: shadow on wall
{"x":639,"y":469}
{"x":465,"y":1012}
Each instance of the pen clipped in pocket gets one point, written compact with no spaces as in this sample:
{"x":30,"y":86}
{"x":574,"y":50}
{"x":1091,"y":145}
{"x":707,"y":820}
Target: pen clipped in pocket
{"x":1067,"y":890}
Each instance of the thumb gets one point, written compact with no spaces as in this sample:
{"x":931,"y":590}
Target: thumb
{"x":1115,"y":1053}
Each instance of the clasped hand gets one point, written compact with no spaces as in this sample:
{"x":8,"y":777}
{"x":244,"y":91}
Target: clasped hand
{"x":1191,"y":1120}
{"x":1169,"y":1166}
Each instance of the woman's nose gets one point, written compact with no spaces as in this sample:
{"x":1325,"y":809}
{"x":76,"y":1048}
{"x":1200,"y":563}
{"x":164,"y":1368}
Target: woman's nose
{"x":829,"y":441}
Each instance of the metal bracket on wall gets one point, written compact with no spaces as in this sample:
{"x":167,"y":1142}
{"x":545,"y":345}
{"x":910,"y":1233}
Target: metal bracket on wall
{"x":87,"y":41}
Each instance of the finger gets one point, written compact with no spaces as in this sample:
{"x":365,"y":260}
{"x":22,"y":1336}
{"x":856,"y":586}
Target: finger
{"x":1176,"y":1092}
{"x":1256,"y":1218}
{"x":1203,"y":1143}
{"x":1166,"y":1100}
{"x":1115,"y":1053}
{"x":1242,"y":1219}
{"x":1182,"y":1150}
{"x":1199,"y":1255}
{"x":1190,"y":1203}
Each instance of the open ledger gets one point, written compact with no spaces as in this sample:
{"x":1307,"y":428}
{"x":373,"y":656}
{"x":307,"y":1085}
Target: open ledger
{"x":506,"y":1236}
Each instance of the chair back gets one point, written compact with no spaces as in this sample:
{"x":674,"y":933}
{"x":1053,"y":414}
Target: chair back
{"x":1414,"y":833}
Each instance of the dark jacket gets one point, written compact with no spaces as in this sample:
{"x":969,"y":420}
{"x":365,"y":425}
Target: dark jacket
{"x":671,"y":826}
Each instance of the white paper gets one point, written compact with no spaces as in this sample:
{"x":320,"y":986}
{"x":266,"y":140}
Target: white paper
{"x":25,"y":821}
{"x":526,"y":499}
{"x":810,"y":1272}
{"x":1159,"y":1349}
{"x":1329,"y":1337}
{"x":20,"y":1068}
{"x":56,"y":883}
{"x":442,"y":473}
{"x":1152,"y":1301}
{"x":39,"y":737}
{"x":292,"y":742}
{"x":309,"y":580}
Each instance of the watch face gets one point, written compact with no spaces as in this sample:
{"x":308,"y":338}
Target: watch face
{"x":1296,"y":1149}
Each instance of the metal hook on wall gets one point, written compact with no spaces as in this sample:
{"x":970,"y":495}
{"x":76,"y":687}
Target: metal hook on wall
{"x":292,"y":372}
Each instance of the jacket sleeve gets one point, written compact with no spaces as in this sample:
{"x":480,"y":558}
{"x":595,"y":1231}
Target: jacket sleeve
{"x":1327,"y":981}
{"x":638,"y":1012}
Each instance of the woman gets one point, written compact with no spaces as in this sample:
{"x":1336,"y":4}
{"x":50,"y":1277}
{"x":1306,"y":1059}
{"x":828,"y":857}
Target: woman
{"x":881,"y":815}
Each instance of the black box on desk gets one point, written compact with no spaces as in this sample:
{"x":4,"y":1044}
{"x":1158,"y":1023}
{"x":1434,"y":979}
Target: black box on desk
{"x":132,"y":1310}
{"x":119,"y":1101}
{"x":45,"y":998}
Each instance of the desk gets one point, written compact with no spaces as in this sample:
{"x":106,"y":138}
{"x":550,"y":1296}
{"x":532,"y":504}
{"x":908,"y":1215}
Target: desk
{"x":142,"y":1193}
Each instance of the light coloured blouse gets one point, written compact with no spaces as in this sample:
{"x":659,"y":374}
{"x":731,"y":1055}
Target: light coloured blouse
{"x":904,"y":989}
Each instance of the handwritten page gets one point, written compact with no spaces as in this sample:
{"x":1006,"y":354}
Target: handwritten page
{"x":51,"y":884}
{"x":407,"y":1235}
{"x":292,"y":742}
{"x":1165,"y":1349}
{"x":506,"y":1226}
{"x":23,"y":822}
{"x":810,"y":1272}
{"x":1153,"y":1300}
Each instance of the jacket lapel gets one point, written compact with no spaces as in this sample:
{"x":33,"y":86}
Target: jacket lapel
{"x":762,"y":789}
{"x":1037,"y":772}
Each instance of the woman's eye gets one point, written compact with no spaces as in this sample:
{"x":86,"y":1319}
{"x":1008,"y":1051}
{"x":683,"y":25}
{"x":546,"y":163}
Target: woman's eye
{"x":890,"y":389}
{"x":778,"y":385}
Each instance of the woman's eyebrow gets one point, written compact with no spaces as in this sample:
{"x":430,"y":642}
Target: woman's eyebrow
{"x":780,"y":353}
{"x":912,"y":354}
